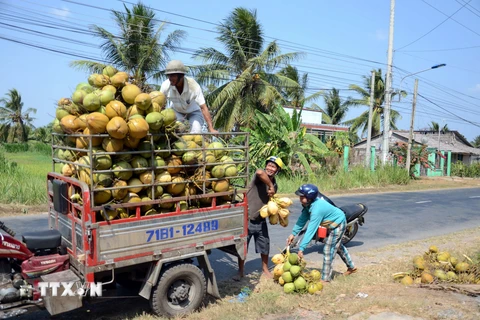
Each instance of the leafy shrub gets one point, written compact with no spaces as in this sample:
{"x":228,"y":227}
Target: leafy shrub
{"x":459,"y":169}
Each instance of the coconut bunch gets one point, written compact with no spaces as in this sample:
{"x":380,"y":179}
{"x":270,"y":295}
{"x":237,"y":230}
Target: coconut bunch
{"x":276,"y":210}
{"x":109,"y":104}
{"x":436,"y":266}
{"x":120,"y":140}
{"x":291,"y":273}
{"x":164,"y":170}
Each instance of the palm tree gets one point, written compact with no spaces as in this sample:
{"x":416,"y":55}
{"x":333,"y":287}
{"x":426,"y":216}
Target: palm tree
{"x":476,"y":142}
{"x":335,"y":109}
{"x":361,"y":122}
{"x":295,"y":96}
{"x":245,"y":74}
{"x":137,"y":49}
{"x":435,"y":126}
{"x":14,"y":122}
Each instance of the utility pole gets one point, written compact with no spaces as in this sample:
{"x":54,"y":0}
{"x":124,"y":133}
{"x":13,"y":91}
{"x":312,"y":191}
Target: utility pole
{"x":410,"y":137}
{"x":370,"y":115}
{"x":388,"y":87}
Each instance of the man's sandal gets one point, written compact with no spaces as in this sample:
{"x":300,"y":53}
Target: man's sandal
{"x":350,"y":271}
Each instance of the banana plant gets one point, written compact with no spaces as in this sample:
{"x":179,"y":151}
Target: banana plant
{"x":282,"y":135}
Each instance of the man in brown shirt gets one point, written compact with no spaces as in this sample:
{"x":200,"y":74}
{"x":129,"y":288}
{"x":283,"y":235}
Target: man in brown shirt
{"x":261,"y":188}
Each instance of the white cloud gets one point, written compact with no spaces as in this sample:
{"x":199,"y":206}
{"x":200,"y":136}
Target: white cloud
{"x":476,"y":88}
{"x":62,"y":13}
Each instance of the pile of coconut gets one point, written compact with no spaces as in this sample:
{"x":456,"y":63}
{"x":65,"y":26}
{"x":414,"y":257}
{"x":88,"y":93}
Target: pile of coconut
{"x":291,"y":273}
{"x":124,"y":143}
{"x":436,"y":266}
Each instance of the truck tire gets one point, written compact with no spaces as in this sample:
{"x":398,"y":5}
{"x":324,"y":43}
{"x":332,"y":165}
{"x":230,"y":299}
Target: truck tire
{"x":180,"y":290}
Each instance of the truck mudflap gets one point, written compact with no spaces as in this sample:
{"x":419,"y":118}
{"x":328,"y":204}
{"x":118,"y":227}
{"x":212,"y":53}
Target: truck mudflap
{"x":155,"y":269}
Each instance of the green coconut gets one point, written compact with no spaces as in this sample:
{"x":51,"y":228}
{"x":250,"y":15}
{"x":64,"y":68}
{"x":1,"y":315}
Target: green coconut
{"x":91,"y":102}
{"x":166,"y":205}
{"x":106,"y":96}
{"x":293,"y":258}
{"x":315,"y":274}
{"x":139,"y":162}
{"x":157,"y":163}
{"x":440,"y":274}
{"x":218,"y":171}
{"x":300,"y":283}
{"x":123,"y":175}
{"x":169,"y":117}
{"x":109,"y":71}
{"x":104,"y":179}
{"x":295,"y":271}
{"x":451,"y":276}
{"x":85,"y":87}
{"x":217,"y":148}
{"x":145,"y":146}
{"x":78,"y":96}
{"x":102,"y":162}
{"x":154,"y":120}
{"x":289,"y":288}
{"x":287,"y":276}
{"x":189,"y":158}
{"x":230,"y":170}
{"x":286,"y":266}
{"x":179,"y":147}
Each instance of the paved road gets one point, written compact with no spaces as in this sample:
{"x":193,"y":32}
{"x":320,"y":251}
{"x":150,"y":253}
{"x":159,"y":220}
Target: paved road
{"x":392,"y":218}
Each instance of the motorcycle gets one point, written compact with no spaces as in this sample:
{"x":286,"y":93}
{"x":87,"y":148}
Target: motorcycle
{"x":22,"y":263}
{"x":355,"y":217}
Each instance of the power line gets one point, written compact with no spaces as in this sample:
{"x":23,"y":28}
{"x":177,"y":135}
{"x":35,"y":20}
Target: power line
{"x":435,"y":26}
{"x":438,"y":50}
{"x":473,"y":123}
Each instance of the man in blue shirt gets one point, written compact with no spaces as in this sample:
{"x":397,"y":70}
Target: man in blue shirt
{"x":322,"y":213}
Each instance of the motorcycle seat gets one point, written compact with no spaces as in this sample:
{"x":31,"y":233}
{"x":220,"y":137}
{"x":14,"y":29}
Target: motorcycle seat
{"x":45,"y":239}
{"x":353,"y":211}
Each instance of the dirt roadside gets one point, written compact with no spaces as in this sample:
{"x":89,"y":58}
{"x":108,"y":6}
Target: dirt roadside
{"x":417,"y":185}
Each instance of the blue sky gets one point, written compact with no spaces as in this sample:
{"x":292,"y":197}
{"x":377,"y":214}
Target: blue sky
{"x":342,"y":41}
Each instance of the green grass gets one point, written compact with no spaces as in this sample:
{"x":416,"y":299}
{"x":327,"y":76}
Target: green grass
{"x":26,"y":182}
{"x":355,"y":178}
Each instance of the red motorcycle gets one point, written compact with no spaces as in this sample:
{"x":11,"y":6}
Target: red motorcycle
{"x":22,"y":263}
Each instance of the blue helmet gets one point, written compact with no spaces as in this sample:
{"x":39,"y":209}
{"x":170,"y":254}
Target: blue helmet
{"x":309,"y":191}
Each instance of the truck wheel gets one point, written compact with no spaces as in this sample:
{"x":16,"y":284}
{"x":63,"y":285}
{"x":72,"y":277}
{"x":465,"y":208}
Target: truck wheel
{"x":179,"y":291}
{"x":350,"y":232}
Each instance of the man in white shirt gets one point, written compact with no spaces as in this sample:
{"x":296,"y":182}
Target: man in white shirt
{"x":185,"y":97}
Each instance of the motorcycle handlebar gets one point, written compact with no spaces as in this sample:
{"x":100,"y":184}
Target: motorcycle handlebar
{"x":7,"y":229}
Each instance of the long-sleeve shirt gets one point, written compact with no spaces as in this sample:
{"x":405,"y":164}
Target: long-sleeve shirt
{"x":319,"y":212}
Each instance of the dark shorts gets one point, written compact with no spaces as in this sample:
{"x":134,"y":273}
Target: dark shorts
{"x":259,"y":231}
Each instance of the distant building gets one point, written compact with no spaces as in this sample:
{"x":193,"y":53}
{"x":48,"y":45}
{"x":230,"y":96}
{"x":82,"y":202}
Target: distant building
{"x":312,"y":120}
{"x":452,"y":141}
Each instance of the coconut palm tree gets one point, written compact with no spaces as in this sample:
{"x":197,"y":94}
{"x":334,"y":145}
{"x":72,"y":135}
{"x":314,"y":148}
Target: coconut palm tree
{"x":335,"y":109}
{"x":245,"y":74}
{"x":435,"y":126}
{"x":14,"y":121}
{"x":137,"y":49}
{"x":295,"y":96}
{"x":361,"y":122}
